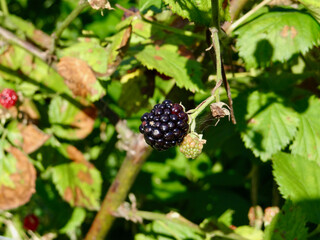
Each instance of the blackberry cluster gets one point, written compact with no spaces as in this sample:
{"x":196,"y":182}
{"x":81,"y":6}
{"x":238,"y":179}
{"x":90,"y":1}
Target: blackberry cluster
{"x":165,"y":126}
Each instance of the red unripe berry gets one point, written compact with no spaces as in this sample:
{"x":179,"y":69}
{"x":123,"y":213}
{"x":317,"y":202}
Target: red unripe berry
{"x":8,"y":98}
{"x":31,"y":222}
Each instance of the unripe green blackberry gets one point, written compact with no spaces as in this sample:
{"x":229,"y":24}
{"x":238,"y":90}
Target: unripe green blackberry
{"x":192,"y":145}
{"x":165,"y":126}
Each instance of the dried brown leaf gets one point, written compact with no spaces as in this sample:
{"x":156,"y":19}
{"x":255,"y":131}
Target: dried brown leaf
{"x":29,"y":110}
{"x":24,"y":182}
{"x":77,"y":75}
{"x":33,"y":137}
{"x":100,"y":4}
{"x":77,"y":156}
{"x":6,"y":57}
{"x":84,"y":121}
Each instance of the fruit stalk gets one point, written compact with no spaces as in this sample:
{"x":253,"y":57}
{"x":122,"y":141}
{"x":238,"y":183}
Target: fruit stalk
{"x":213,"y":42}
{"x":215,"y":14}
{"x":214,"y":93}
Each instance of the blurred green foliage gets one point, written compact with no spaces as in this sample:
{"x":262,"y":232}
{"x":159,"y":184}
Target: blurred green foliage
{"x":272,"y":62}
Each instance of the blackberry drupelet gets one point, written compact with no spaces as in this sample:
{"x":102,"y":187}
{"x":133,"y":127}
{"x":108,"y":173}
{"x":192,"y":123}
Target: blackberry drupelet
{"x":165,"y":126}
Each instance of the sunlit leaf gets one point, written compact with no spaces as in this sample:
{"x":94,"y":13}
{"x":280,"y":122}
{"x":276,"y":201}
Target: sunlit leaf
{"x":198,"y":11}
{"x":269,"y":126}
{"x":71,"y":120}
{"x":90,"y":51}
{"x":14,"y":135}
{"x":276,"y":36}
{"x":307,"y":139}
{"x":313,"y":6}
{"x":37,"y":36}
{"x":18,"y":65}
{"x":117,"y":48}
{"x":166,"y":59}
{"x":249,"y":233}
{"x":77,"y":218}
{"x":145,"y":5}
{"x":167,"y":230}
{"x":299,"y":179}
{"x":78,"y":182}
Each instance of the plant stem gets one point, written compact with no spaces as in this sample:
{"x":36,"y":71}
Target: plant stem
{"x":246,"y":16}
{"x":215,"y":14}
{"x":82,"y":5}
{"x":216,"y":45}
{"x":213,"y":42}
{"x":215,"y":91}
{"x":13,"y":39}
{"x":205,"y":103}
{"x":228,"y":90}
{"x":4,"y":7}
{"x":118,"y":191}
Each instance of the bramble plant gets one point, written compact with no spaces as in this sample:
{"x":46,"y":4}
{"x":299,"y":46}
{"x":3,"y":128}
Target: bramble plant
{"x":85,"y":89}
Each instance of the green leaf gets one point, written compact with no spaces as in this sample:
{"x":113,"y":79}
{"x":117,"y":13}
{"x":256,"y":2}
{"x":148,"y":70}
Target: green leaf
{"x":145,"y":5}
{"x":14,"y":134}
{"x":276,"y":36}
{"x":69,"y":119}
{"x":23,"y":27}
{"x":249,"y":233}
{"x":226,"y":217}
{"x":141,"y":236}
{"x":78,"y":184}
{"x":269,"y":125}
{"x":307,"y":140}
{"x":77,"y":218}
{"x":313,"y":6}
{"x":168,"y":230}
{"x":195,"y":11}
{"x":33,"y":73}
{"x":89,"y":50}
{"x":7,"y":168}
{"x":289,"y":223}
{"x":166,"y":59}
{"x":198,"y":11}
{"x":134,"y":92}
{"x":299,"y":179}
{"x":118,"y":40}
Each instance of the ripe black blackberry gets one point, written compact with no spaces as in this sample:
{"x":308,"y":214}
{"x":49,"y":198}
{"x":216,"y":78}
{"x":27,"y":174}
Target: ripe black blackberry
{"x":165,"y":126}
